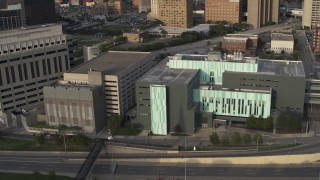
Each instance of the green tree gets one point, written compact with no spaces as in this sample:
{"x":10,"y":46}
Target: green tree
{"x":258,"y":138}
{"x":36,"y":175}
{"x":214,"y":139}
{"x":52,"y":175}
{"x":177,"y":129}
{"x":246,"y":138}
{"x":40,"y":138}
{"x":114,"y":123}
{"x":57,"y":139}
{"x":236,"y":138}
{"x":251,"y":122}
{"x":225,"y":141}
{"x":289,"y":121}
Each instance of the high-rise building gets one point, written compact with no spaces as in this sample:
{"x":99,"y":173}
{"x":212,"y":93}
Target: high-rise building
{"x":316,"y":39}
{"x":311,"y":12}
{"x":32,"y":12}
{"x":115,"y":7}
{"x":144,"y":5}
{"x":262,"y":12}
{"x":39,"y":12}
{"x":224,"y":10}
{"x":175,"y":13}
{"x":30,"y":58}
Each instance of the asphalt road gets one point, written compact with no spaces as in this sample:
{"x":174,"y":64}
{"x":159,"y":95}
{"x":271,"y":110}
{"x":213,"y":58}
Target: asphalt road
{"x":167,"y":171}
{"x":307,"y":56}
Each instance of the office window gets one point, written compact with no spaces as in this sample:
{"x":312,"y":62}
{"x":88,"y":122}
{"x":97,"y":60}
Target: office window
{"x":55,"y":65}
{"x":25,"y":71}
{"x":32,"y":70}
{"x":7,"y":75}
{"x":44,"y":67}
{"x":49,"y":66}
{"x":20,"y":72}
{"x":37,"y":69}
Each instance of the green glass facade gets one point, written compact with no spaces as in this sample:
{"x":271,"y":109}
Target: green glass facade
{"x":211,"y":71}
{"x":158,"y":99}
{"x":234,"y":103}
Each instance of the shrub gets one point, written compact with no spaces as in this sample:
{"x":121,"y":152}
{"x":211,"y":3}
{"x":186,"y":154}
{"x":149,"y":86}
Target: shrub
{"x":214,"y":139}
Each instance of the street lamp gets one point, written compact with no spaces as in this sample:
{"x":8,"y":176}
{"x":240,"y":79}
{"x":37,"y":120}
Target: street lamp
{"x":258,"y":142}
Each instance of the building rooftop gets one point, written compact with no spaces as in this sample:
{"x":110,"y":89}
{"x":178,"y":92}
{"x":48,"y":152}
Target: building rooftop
{"x":281,"y":67}
{"x":281,"y":37}
{"x":163,"y":74}
{"x":111,"y":63}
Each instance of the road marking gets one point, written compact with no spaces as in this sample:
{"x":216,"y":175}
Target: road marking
{"x":131,"y":168}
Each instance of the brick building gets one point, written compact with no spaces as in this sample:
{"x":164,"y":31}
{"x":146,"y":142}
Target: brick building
{"x":224,"y":10}
{"x":245,"y":43}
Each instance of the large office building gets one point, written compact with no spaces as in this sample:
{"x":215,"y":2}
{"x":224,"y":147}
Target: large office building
{"x":173,"y":13}
{"x":201,"y":90}
{"x":311,"y":12}
{"x":231,"y":11}
{"x":117,"y":72}
{"x":30,"y":58}
{"x":262,"y":12}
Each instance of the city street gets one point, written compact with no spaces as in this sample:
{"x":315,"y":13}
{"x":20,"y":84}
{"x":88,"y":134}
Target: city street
{"x":127,"y":170}
{"x":307,"y":56}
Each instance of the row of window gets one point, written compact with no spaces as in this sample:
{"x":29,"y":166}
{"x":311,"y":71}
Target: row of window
{"x":39,"y":43}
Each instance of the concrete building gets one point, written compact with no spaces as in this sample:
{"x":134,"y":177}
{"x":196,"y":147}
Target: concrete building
{"x":75,"y":105}
{"x":175,"y":13}
{"x":245,"y":43}
{"x":137,"y":37}
{"x":262,"y":12}
{"x":117,"y":72}
{"x":231,"y":11}
{"x":90,"y":52}
{"x":202,"y":90}
{"x":282,"y":43}
{"x":311,"y":12}
{"x":30,"y":59}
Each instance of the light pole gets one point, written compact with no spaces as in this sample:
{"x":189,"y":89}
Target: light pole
{"x":258,"y":142}
{"x":65,"y":144}
{"x":185,"y":168}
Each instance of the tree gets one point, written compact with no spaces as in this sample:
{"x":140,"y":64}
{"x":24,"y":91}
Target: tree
{"x":36,"y":175}
{"x":177,"y":129}
{"x":236,"y":138}
{"x":246,"y":139}
{"x":289,"y":121}
{"x":40,"y":138}
{"x":52,"y":175}
{"x":214,"y":138}
{"x":225,"y":141}
{"x":114,"y":123}
{"x":258,"y":138}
